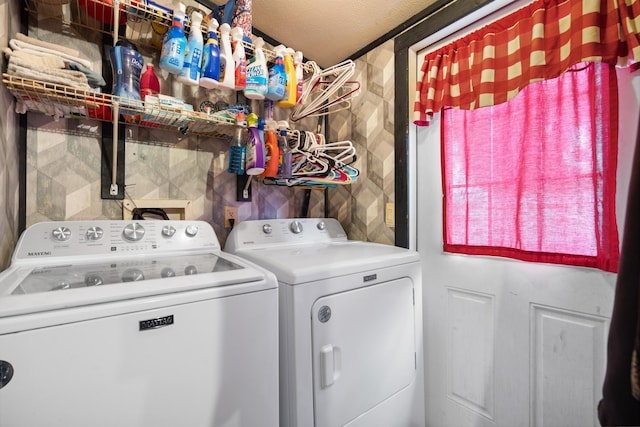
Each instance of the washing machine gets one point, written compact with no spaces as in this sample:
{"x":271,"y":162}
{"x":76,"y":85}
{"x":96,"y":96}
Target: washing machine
{"x":136,"y":324}
{"x":350,"y":323}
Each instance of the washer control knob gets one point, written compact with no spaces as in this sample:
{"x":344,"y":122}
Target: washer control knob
{"x":191,"y":230}
{"x":190,"y":269}
{"x":168,"y":231}
{"x":267,"y":229}
{"x":61,"y":234}
{"x":93,"y":280}
{"x":321,"y":226}
{"x":133,"y":232}
{"x":94,"y":233}
{"x":295,"y":227}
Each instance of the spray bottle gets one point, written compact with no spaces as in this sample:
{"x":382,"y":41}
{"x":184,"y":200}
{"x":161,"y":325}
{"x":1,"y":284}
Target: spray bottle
{"x":237,"y":152}
{"x":255,"y":147}
{"x":227,"y":66}
{"x":284,"y":164}
{"x":190,"y":73}
{"x":297,"y":62}
{"x":210,"y":76}
{"x":257,"y":74}
{"x":172,"y":56}
{"x":272,"y":153}
{"x":277,"y":76}
{"x":239,"y":58}
{"x":289,"y":98}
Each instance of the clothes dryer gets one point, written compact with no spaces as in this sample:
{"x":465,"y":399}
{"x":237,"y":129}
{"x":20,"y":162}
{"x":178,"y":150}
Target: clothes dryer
{"x":350,"y":323}
{"x":126,"y":323}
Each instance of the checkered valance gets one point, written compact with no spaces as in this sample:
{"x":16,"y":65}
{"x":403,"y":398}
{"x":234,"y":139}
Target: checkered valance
{"x":539,"y":41}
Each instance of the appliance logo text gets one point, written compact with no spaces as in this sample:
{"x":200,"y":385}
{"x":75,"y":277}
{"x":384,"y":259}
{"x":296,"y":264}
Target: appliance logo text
{"x":156,"y":323}
{"x":44,"y":253}
{"x":370,"y":278}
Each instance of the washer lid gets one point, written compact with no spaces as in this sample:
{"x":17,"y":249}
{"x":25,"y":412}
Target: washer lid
{"x":296,"y":264}
{"x":30,"y":289}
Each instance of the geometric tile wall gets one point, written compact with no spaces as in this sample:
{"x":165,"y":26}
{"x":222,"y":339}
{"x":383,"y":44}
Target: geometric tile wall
{"x":369,"y":125}
{"x":9,"y":161}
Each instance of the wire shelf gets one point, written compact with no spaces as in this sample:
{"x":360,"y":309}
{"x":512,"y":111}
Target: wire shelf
{"x":143,"y":24}
{"x":68,"y":102}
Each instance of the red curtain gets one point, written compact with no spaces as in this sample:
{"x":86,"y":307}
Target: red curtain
{"x":539,"y":41}
{"x":534,"y":179}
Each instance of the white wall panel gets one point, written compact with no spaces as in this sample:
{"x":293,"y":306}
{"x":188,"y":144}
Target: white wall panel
{"x":567,"y":360}
{"x":470,"y":367}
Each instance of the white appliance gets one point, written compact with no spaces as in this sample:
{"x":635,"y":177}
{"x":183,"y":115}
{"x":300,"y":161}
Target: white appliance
{"x":135,"y":324}
{"x":350,"y":324}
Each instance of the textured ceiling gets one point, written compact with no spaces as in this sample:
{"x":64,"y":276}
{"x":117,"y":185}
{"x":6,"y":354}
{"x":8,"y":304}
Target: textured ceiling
{"x":329,"y":31}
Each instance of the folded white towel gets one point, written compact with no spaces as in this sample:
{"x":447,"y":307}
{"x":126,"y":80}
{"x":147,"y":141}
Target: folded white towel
{"x":75,"y":79}
{"x":45,"y":60}
{"x":40,"y":51}
{"x":47,"y":45}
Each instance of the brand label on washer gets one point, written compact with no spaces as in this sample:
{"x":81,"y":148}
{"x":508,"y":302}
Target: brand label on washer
{"x":324,"y":314}
{"x":156,"y":323}
{"x":370,"y":277}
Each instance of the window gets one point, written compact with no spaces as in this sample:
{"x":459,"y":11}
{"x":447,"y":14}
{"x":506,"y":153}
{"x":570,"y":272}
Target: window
{"x":534,"y":178}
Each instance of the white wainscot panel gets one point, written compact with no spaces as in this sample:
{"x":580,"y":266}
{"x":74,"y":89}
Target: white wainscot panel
{"x":470,"y":361}
{"x":567,"y":367}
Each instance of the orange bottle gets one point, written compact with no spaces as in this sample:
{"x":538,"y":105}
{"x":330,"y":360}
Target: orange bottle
{"x":272,"y":152}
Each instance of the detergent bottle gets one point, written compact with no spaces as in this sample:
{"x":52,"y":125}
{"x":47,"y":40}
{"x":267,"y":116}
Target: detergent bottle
{"x":272,"y":153}
{"x":172,"y":55}
{"x":255,"y":147}
{"x":277,"y":76}
{"x":297,"y":62}
{"x":190,"y":73}
{"x":210,"y":75}
{"x":289,"y":98}
{"x":239,"y":58}
{"x":237,"y":152}
{"x":126,"y":67}
{"x":227,"y":66}
{"x":285,"y":161}
{"x":257,"y":73}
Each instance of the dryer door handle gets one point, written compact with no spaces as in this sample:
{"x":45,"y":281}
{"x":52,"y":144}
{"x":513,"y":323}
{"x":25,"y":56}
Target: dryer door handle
{"x":330,"y":365}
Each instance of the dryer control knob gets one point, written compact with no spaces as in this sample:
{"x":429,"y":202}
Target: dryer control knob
{"x":61,"y":234}
{"x":94,"y":233}
{"x":133,"y":232}
{"x":168,"y":231}
{"x":191,"y":230}
{"x":267,"y":229}
{"x":321,"y":226}
{"x":295,"y":227}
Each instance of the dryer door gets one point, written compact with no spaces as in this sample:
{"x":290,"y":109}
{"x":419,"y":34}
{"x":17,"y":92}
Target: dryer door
{"x":363,"y":350}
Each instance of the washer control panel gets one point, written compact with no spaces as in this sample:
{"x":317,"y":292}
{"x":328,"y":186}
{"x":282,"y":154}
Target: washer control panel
{"x":253,"y":234}
{"x":102,"y":237}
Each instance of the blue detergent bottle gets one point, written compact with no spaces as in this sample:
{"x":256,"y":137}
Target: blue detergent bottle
{"x":190,"y":73}
{"x":175,"y":43}
{"x":277,"y":76}
{"x":210,"y":75}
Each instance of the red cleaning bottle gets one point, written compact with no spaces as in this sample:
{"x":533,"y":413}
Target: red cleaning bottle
{"x":149,"y":83}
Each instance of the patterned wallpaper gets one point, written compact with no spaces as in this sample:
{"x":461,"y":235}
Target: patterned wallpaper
{"x":63,"y":166}
{"x":360,"y":208}
{"x":9,"y":19}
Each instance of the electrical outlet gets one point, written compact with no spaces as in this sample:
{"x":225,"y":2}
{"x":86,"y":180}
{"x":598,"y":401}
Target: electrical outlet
{"x":390,"y":215}
{"x":230,"y":213}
